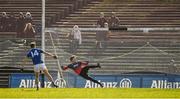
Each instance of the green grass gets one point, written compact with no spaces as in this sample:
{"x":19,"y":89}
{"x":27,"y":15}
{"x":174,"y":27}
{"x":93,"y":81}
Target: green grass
{"x":89,"y":93}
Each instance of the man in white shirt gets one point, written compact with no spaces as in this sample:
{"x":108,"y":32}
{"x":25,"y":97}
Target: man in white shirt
{"x":75,"y":39}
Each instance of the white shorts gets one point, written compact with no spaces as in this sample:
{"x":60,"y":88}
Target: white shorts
{"x":39,"y":67}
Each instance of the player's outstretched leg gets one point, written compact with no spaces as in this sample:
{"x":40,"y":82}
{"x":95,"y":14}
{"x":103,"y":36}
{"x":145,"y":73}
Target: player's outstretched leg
{"x":92,"y":66}
{"x":93,"y":80}
{"x":37,"y":80}
{"x":86,"y":76}
{"x":49,"y":77}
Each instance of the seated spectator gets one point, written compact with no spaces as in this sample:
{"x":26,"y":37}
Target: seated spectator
{"x":75,"y":39}
{"x":4,"y":22}
{"x":102,"y":20}
{"x":28,"y":18}
{"x":113,"y":21}
{"x":20,"y":25}
{"x":11,"y":22}
{"x":29,"y":31}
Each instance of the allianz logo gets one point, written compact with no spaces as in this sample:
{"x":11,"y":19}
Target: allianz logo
{"x":124,"y":83}
{"x":164,"y":84}
{"x":30,"y":83}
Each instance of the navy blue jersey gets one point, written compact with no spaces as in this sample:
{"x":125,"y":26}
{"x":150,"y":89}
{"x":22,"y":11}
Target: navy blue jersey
{"x":35,"y":55}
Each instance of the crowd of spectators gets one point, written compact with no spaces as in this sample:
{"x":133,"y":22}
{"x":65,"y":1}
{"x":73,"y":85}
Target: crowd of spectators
{"x":22,"y":24}
{"x":112,"y":23}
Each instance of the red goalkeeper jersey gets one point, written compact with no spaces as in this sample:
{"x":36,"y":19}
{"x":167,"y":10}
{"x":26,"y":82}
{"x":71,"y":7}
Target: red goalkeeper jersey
{"x":76,"y":67}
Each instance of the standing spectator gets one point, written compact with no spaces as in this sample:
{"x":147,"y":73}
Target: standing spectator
{"x":20,"y":25}
{"x":11,"y":22}
{"x":113,"y":21}
{"x":4,"y":22}
{"x":102,"y":20}
{"x":28,"y":18}
{"x":172,"y":67}
{"x":75,"y":38}
{"x":101,"y":37}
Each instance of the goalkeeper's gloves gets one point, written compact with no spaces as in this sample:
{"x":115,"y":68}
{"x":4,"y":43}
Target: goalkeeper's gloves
{"x":62,"y":67}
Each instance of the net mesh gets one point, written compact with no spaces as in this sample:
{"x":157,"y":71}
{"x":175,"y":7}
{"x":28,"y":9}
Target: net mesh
{"x":116,"y":56}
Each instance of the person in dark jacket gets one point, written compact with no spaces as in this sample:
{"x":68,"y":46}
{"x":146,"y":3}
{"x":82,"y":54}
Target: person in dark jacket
{"x":4,"y":22}
{"x":20,"y":25}
{"x":113,"y":21}
{"x":12,"y":23}
{"x":101,"y":21}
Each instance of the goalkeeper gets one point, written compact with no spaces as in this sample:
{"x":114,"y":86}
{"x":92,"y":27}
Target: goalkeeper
{"x":81,"y":68}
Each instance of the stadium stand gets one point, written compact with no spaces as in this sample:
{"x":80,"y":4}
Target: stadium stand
{"x":145,"y":51}
{"x":5,"y":74}
{"x":11,"y":46}
{"x":132,"y":13}
{"x":126,"y":51}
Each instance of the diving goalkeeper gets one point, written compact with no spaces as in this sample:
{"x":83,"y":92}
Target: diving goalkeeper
{"x":81,"y":68}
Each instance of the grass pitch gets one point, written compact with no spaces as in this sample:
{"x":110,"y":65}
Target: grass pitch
{"x":88,"y":93}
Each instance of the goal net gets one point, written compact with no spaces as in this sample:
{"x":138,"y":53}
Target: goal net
{"x":115,"y":55}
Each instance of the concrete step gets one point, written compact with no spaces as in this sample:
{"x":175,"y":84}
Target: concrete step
{"x":4,"y":79}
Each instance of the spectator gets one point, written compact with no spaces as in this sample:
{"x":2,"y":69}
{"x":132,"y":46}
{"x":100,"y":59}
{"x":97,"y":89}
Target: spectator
{"x":172,"y":67}
{"x":4,"y":22}
{"x":101,"y":37}
{"x":75,"y":39}
{"x":29,"y":31}
{"x":11,"y":22}
{"x":102,"y":20}
{"x":113,"y":21}
{"x":20,"y":25}
{"x":28,"y":18}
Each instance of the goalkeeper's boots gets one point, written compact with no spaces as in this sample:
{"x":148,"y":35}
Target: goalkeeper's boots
{"x":101,"y":86}
{"x":54,"y":85}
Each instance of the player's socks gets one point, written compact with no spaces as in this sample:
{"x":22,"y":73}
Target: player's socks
{"x":37,"y":88}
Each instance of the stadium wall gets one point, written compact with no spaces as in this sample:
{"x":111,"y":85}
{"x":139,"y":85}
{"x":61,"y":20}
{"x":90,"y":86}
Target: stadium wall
{"x":166,"y":81}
